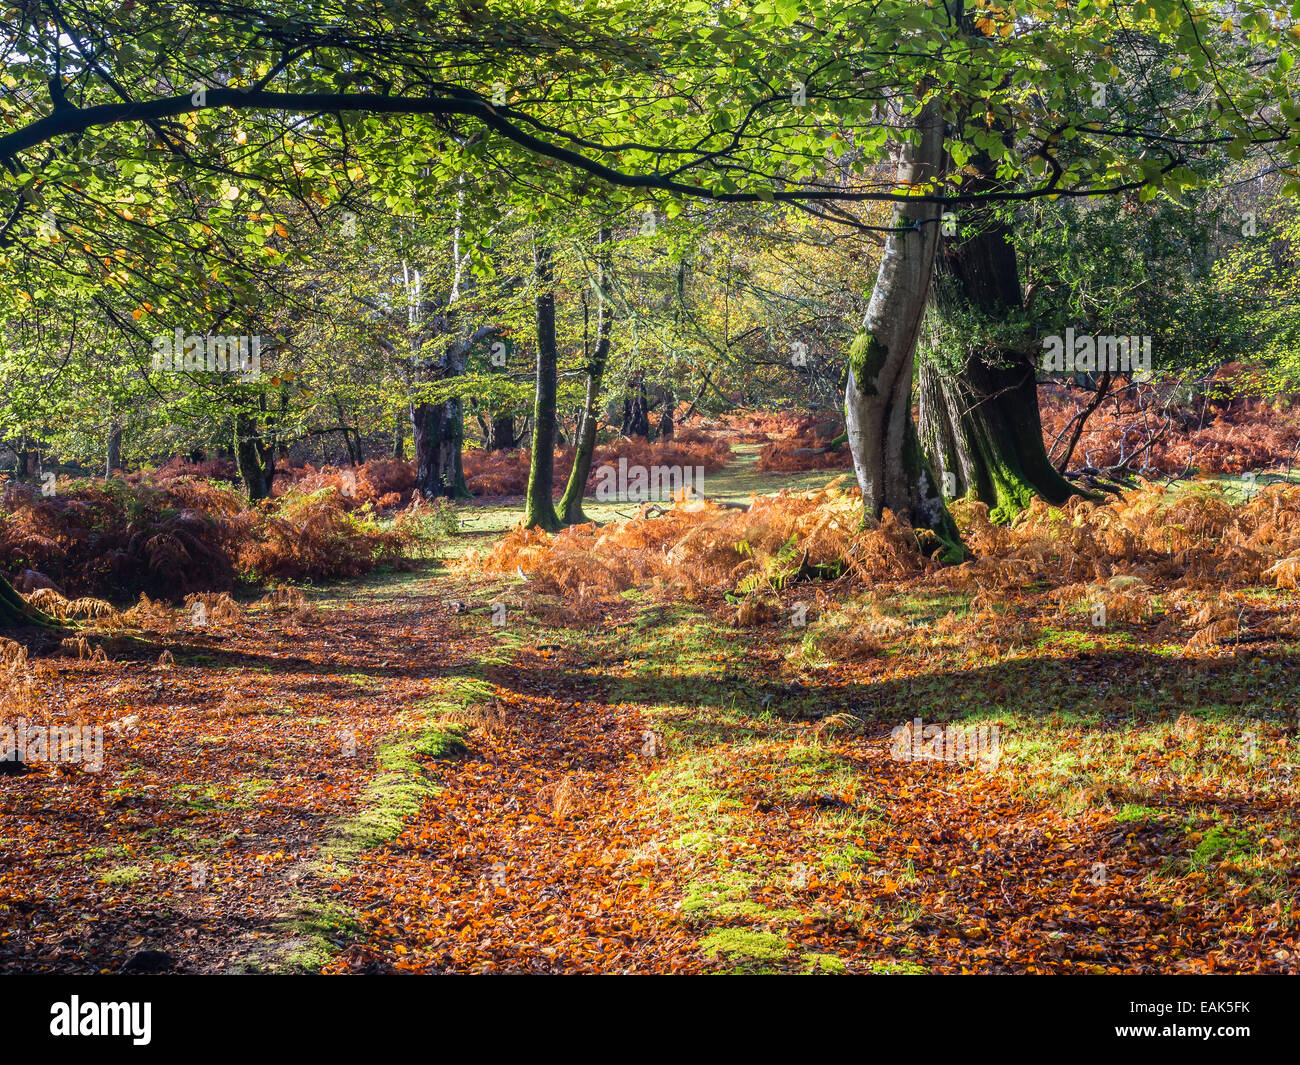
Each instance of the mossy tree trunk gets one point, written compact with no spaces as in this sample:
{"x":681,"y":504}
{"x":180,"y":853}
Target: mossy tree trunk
{"x":437,"y":431}
{"x":254,"y":457}
{"x":890,"y":466}
{"x":539,"y":504}
{"x":571,"y":501}
{"x":15,"y":611}
{"x":980,"y":424}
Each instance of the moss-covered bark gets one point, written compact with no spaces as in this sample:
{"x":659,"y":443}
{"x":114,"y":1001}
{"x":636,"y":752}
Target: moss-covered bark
{"x":890,"y":466}
{"x":15,"y":611}
{"x":254,"y":457}
{"x":539,"y":506}
{"x":980,"y":424}
{"x":571,"y":501}
{"x":438,"y":430}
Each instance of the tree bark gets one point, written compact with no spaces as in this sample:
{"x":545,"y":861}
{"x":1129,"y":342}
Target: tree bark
{"x":113,"y":457}
{"x":539,"y":506}
{"x":887,"y":458}
{"x":666,"y":426}
{"x":636,"y":415}
{"x":980,"y":424}
{"x":438,"y":430}
{"x":571,"y":502}
{"x":502,"y":434}
{"x":253,"y":457}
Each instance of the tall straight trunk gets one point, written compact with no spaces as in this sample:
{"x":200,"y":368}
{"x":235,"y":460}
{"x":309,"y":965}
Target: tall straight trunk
{"x":399,"y":437}
{"x":980,"y":423}
{"x":571,"y":501}
{"x":887,"y":458}
{"x":539,"y":506}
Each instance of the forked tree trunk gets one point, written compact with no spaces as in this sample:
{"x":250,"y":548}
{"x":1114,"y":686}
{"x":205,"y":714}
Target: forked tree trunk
{"x":539,"y":506}
{"x":887,"y":457}
{"x":980,"y":424}
{"x":571,"y":502}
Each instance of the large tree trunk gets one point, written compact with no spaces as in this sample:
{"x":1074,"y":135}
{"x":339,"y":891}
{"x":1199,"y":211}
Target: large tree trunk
{"x":437,"y":431}
{"x":253,"y":457}
{"x":980,"y":424}
{"x":571,"y":502}
{"x":539,"y":506}
{"x":502,"y":433}
{"x":666,"y":426}
{"x":887,"y":458}
{"x":636,"y":410}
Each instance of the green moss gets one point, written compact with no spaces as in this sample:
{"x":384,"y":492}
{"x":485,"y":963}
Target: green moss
{"x":1220,"y":844}
{"x":1132,"y":812}
{"x":824,"y":963}
{"x":743,"y":943}
{"x":866,"y":359}
{"x":440,"y":743}
{"x":899,"y":968}
{"x":123,"y":875}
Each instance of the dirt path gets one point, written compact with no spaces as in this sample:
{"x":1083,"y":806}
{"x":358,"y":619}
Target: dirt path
{"x":402,"y":778}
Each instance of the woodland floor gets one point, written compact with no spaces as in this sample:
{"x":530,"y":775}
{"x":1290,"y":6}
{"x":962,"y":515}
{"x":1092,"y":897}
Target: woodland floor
{"x":396,"y":783}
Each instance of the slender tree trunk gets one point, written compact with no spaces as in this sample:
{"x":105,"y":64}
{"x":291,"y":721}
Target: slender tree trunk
{"x":399,"y":437}
{"x":539,"y":506}
{"x":887,"y":457}
{"x":571,"y":502}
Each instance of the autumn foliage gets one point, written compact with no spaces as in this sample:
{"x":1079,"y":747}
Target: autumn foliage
{"x":172,"y":538}
{"x":1139,"y":434}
